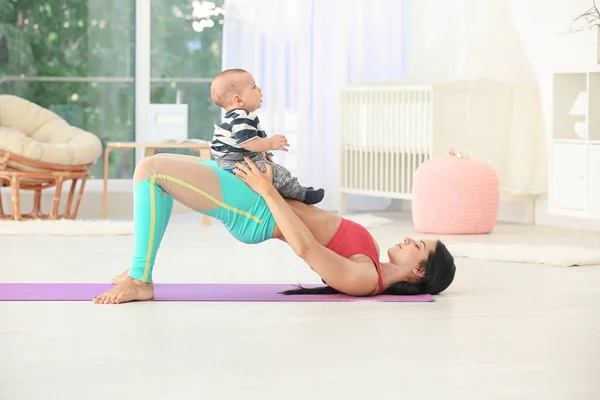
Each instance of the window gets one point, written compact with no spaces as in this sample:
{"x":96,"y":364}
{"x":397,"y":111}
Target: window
{"x":77,"y":58}
{"x":185,"y":55}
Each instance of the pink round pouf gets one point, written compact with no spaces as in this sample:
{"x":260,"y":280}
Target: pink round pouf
{"x":453,"y":195}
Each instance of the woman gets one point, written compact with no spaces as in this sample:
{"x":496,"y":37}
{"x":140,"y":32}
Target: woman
{"x":342,"y":252}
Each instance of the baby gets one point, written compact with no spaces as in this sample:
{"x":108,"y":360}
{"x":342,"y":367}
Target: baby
{"x":240,"y":134}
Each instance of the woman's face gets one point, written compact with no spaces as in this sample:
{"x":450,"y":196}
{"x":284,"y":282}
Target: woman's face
{"x":411,"y":253}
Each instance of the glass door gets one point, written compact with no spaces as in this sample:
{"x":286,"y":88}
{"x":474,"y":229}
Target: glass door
{"x":184,"y":45}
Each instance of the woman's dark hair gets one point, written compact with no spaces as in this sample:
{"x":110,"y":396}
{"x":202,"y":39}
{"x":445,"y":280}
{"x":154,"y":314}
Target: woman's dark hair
{"x":439,"y":274}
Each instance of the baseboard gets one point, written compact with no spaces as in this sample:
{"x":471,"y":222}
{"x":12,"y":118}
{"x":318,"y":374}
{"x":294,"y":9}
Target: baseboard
{"x":510,"y":210}
{"x":515,"y":210}
{"x":544,"y":218}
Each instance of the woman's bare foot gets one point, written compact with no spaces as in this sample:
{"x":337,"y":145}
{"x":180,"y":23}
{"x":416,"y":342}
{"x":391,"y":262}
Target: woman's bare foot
{"x":127,"y":290}
{"x":120,"y":278}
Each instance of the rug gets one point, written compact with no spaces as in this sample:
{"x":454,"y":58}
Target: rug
{"x":563,"y":256}
{"x":67,"y":227}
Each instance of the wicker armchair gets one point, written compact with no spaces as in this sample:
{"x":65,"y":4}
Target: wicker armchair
{"x":40,"y":150}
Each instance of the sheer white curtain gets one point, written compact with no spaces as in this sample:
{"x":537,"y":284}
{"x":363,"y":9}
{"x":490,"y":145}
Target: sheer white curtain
{"x":479,"y":42}
{"x":511,"y":43}
{"x":302,"y":53}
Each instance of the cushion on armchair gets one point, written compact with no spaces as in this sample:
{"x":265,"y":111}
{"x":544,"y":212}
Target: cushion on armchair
{"x":36,"y":133}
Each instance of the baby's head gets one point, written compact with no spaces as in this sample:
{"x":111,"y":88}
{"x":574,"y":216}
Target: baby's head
{"x":236,"y":88}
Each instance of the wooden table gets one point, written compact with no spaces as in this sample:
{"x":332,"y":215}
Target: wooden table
{"x":202,"y":148}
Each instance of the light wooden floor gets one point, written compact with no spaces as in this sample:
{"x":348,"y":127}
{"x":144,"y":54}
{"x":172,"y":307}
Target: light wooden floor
{"x":503,"y":331}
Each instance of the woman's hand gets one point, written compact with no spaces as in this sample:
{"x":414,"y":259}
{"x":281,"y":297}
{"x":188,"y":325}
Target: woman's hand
{"x":258,"y":181}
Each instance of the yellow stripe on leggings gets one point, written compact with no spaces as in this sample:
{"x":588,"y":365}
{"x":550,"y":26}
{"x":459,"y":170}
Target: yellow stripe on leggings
{"x":208,"y":196}
{"x":152,"y":227}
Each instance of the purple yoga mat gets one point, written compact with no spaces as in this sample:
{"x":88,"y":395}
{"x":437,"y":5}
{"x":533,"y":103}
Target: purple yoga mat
{"x":184,"y":292}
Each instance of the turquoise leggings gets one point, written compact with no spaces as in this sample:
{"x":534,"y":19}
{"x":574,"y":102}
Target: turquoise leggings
{"x":243,"y":212}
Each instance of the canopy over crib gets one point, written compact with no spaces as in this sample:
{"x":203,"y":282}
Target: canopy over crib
{"x":480,"y":49}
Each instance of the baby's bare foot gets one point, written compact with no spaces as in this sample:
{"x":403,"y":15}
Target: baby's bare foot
{"x":119,"y":278}
{"x":127,"y":290}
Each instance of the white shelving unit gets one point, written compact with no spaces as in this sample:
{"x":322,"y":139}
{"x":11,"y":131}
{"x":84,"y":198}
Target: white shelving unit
{"x":575,"y":148}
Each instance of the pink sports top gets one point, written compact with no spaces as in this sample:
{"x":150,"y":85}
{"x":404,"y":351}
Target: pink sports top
{"x":352,"y":238}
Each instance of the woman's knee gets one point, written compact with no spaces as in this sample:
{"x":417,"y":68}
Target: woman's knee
{"x":147,"y":167}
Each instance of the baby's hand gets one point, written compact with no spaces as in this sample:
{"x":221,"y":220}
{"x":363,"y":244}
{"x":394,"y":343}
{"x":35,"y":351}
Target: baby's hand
{"x":279,"y":142}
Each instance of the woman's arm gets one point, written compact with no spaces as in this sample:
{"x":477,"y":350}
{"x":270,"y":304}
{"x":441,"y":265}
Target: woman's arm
{"x":340,"y":273}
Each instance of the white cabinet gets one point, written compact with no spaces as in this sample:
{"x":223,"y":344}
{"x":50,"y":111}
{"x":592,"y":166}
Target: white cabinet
{"x":569,"y":176}
{"x":575,"y":149}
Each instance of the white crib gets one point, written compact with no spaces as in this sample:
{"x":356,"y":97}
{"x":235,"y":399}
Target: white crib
{"x":386,"y":133}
